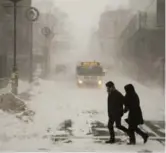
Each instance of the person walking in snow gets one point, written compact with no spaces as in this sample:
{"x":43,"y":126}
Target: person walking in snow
{"x":135,"y":118}
{"x":115,"y":110}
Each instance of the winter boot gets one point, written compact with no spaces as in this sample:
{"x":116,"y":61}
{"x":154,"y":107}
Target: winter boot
{"x":110,"y":141}
{"x":132,"y":138}
{"x":131,"y":143}
{"x":146,"y":138}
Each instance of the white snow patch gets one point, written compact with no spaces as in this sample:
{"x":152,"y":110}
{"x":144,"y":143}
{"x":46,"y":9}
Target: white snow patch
{"x":57,"y":101}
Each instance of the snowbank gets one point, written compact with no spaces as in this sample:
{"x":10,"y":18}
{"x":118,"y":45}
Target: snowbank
{"x":23,"y":86}
{"x":9,"y":102}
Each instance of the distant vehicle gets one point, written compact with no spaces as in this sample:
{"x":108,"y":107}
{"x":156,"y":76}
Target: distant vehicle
{"x":89,"y":73}
{"x":60,"y":68}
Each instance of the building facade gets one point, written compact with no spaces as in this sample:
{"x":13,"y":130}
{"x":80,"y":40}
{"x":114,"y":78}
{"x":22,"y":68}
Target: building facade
{"x":142,"y":43}
{"x":154,"y":9}
{"x":111,"y":25}
{"x":24,"y":38}
{"x":55,"y":45}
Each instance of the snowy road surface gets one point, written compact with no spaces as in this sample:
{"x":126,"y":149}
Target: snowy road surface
{"x":64,"y":110}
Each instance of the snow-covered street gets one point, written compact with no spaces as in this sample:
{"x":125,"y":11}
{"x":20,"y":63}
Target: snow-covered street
{"x":65,"y":114}
{"x":61,"y":62}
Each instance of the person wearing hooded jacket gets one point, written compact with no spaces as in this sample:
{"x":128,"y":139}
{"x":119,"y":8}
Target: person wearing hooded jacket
{"x":135,"y":118}
{"x":115,"y":110}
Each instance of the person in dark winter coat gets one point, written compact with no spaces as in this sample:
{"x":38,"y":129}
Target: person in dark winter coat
{"x":135,"y":118}
{"x":115,"y":110}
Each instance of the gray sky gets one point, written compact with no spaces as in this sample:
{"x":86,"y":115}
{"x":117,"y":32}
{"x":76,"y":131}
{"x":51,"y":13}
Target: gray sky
{"x":87,"y":12}
{"x":83,"y":14}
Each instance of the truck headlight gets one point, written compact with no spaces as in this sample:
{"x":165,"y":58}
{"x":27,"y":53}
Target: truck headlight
{"x":80,"y":81}
{"x":99,"y":82}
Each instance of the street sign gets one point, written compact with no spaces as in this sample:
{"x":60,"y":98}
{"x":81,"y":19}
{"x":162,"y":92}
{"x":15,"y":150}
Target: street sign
{"x":46,"y":31}
{"x":32,"y":14}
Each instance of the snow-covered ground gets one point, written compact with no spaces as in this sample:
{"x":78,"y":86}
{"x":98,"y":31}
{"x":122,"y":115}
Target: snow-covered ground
{"x":23,"y":86}
{"x":81,"y":145}
{"x":58,"y":100}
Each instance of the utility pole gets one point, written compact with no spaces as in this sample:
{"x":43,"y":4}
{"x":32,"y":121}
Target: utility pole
{"x":15,"y":69}
{"x":31,"y":54}
{"x":34,"y":14}
{"x":49,"y":35}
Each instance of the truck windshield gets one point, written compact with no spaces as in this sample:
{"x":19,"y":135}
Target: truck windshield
{"x":89,"y":71}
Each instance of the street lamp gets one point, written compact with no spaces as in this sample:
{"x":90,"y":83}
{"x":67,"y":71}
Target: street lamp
{"x":15,"y":73}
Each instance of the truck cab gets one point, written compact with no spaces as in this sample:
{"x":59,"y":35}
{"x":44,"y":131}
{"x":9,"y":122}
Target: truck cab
{"x":89,"y":74}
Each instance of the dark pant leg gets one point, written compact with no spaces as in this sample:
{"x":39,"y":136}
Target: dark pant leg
{"x":111,"y":129}
{"x":132,"y":134}
{"x":140,"y":132}
{"x":120,"y":127}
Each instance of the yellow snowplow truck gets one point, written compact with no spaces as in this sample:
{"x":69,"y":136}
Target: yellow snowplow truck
{"x":89,"y":74}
